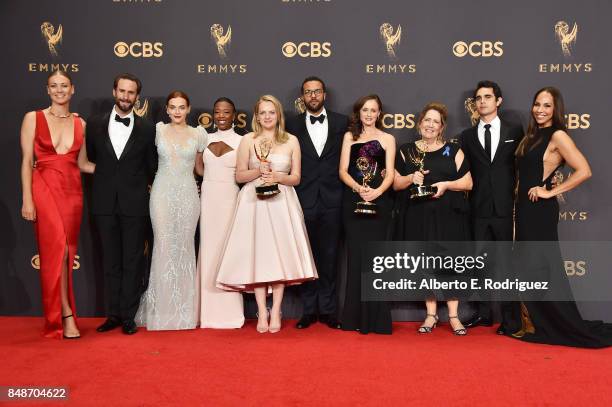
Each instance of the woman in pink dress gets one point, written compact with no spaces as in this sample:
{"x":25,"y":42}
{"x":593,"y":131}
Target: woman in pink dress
{"x":218,"y":308}
{"x":267,"y":247}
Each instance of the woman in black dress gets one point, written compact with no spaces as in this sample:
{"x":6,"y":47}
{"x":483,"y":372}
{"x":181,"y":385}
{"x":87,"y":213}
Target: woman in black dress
{"x":545,"y":148}
{"x":365,"y":143}
{"x":442,"y":217}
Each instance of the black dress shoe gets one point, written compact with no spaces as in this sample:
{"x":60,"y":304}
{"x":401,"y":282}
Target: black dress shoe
{"x":306,"y":321}
{"x":110,"y":324}
{"x":129,"y":327}
{"x":330,"y":321}
{"x":477,"y":320}
{"x":501,"y":330}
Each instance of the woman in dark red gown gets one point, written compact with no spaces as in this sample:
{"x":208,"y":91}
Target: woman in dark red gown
{"x":52,"y":143}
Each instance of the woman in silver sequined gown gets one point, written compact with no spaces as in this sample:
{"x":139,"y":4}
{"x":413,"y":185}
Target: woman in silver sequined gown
{"x":172,"y":297}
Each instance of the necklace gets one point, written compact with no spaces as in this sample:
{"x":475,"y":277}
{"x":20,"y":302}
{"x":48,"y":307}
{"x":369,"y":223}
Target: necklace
{"x":59,"y":116}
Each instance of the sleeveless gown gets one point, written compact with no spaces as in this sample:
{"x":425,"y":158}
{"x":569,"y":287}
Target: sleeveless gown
{"x":58,"y":199}
{"x":267,"y":242}
{"x":364,"y":316}
{"x":218,"y":308}
{"x":556,"y":322}
{"x":171,"y":299}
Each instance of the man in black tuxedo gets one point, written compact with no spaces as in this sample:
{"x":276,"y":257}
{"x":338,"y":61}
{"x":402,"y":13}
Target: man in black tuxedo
{"x":489,"y":146}
{"x":123,"y":147}
{"x":320,"y":134}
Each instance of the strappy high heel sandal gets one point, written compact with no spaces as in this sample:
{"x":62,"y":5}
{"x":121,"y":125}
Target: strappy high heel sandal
{"x":459,"y":331}
{"x":274,"y":328}
{"x":69,"y":337}
{"x":261,"y":328}
{"x":424,"y":329}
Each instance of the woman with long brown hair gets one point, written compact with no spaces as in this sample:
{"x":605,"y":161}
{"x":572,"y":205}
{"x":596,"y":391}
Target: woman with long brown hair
{"x":52,"y":145}
{"x":366,"y":168}
{"x":544,"y":149}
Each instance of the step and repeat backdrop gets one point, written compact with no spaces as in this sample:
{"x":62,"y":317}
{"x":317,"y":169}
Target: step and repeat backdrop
{"x":407,"y":52}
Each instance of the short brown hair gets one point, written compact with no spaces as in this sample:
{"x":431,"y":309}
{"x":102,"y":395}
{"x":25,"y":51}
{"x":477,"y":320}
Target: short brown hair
{"x":129,"y":77}
{"x":438,"y":107}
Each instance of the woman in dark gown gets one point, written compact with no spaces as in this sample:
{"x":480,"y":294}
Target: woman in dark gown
{"x":545,"y":148}
{"x":366,"y":142}
{"x":443,"y":217}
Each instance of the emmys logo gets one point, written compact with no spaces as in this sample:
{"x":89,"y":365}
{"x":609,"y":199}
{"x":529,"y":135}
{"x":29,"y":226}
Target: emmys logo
{"x":221,"y":40}
{"x":575,"y":268}
{"x":398,"y":121}
{"x":566,"y":38}
{"x":35,"y":262}
{"x":470,"y":108}
{"x":139,"y":49}
{"x":206,"y":120}
{"x":141,"y":108}
{"x":52,"y":37}
{"x":305,"y":49}
{"x":299,"y":105}
{"x":389,"y":38}
{"x":478,"y":49}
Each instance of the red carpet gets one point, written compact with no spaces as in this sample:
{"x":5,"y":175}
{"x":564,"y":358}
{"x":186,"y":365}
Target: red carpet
{"x":318,"y":366}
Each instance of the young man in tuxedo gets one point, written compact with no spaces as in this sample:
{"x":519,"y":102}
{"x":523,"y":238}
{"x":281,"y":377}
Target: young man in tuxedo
{"x":320,"y":134}
{"x":489,"y":146}
{"x":123,"y":147}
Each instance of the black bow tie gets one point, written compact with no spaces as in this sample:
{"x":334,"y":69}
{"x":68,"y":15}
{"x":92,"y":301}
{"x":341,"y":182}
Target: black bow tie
{"x":319,"y":119}
{"x":125,"y":120}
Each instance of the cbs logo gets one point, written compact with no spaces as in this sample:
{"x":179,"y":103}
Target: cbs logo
{"x":310,"y":49}
{"x":206,"y":120}
{"x":577,"y":121}
{"x":139,"y":49}
{"x":478,"y":49}
{"x":575,"y":268}
{"x":35,"y":262}
{"x":398,"y":121}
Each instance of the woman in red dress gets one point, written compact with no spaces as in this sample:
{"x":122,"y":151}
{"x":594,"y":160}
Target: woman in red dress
{"x":53,"y":148}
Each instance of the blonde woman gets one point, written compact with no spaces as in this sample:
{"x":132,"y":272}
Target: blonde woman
{"x":267,"y":247}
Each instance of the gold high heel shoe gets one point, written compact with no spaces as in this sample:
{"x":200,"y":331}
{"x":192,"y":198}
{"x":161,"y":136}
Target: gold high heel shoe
{"x":526,"y":324}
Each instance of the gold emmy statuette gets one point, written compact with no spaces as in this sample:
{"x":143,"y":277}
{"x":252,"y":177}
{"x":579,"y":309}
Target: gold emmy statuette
{"x":368,"y":171}
{"x":265,"y":190}
{"x":417,"y":156}
{"x":565,"y":37}
{"x":390,"y":38}
{"x":222,"y":40}
{"x":141,"y":108}
{"x":470,"y":107}
{"x":52,"y":37}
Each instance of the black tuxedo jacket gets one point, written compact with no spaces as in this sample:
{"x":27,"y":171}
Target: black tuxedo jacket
{"x":124,"y":180}
{"x":492,"y":193}
{"x":320,"y":179}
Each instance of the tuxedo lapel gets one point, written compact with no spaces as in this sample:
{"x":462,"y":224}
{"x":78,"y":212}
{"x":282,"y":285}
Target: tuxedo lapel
{"x":133,"y":136}
{"x":480,"y":151}
{"x":306,"y":140}
{"x":503,"y":136}
{"x":331,"y":139}
{"x":107,"y":141}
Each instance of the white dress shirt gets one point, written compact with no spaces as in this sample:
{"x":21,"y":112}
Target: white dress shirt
{"x":118,"y":132}
{"x":317,"y":131}
{"x":495,"y":128}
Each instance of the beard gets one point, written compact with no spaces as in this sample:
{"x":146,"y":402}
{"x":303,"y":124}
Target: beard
{"x":124,"y":106}
{"x":314,"y":105}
